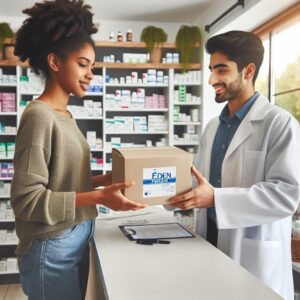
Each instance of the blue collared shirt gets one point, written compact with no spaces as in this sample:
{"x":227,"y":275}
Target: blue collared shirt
{"x":225,"y":132}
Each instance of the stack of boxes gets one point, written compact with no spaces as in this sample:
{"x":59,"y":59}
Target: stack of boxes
{"x":152,"y":77}
{"x":6,"y":211}
{"x":94,"y":142}
{"x":90,"y":109}
{"x":7,"y":102}
{"x":191,"y":77}
{"x":8,"y":236}
{"x":156,"y":123}
{"x":129,"y":99}
{"x":7,"y":150}
{"x":96,"y":85}
{"x":9,"y":265}
{"x":6,"y":170}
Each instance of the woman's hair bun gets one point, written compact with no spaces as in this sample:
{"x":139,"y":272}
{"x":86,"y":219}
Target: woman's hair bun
{"x":49,"y":24}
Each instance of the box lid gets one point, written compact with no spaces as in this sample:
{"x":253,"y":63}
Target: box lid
{"x":150,"y":152}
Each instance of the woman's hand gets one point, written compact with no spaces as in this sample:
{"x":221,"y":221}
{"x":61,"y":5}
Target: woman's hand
{"x":201,"y":196}
{"x":112,"y":197}
{"x":102,"y":180}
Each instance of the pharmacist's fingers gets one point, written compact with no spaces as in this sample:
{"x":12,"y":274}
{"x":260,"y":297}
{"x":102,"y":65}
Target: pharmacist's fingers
{"x":198,"y":175}
{"x":181,"y":198}
{"x":186,"y":204}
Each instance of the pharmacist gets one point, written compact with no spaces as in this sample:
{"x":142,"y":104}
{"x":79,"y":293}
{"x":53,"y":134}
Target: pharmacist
{"x":250,"y":154}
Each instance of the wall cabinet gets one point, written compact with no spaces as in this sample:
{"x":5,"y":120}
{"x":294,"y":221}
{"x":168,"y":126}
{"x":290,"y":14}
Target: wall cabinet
{"x":130,"y":103}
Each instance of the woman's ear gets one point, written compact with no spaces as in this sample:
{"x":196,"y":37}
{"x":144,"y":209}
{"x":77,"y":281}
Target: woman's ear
{"x":250,"y":70}
{"x":53,"y":62}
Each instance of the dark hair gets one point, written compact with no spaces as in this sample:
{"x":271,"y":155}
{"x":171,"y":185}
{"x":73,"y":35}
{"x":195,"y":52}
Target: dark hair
{"x":239,"y":46}
{"x":59,"y":26}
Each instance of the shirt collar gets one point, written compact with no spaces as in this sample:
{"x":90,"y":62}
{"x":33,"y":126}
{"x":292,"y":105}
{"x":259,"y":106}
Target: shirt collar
{"x":241,"y":113}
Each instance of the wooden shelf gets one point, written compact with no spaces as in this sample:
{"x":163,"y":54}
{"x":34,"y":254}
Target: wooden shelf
{"x":144,"y":66}
{"x":130,"y":44}
{"x":116,"y":65}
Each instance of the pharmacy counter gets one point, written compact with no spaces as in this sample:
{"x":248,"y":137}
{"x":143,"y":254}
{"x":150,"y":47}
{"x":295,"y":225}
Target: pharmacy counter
{"x":185,"y":269}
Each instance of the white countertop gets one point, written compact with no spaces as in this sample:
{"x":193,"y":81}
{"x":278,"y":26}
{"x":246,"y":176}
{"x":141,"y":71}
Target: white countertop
{"x":186,"y":269}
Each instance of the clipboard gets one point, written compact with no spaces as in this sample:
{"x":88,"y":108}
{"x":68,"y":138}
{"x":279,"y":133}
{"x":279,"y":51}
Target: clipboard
{"x":155,"y":231}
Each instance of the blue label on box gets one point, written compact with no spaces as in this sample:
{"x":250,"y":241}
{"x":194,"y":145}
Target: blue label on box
{"x":159,"y":182}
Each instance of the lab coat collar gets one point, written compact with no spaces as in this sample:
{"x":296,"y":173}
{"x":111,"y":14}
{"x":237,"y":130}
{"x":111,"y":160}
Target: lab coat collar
{"x":256,"y":113}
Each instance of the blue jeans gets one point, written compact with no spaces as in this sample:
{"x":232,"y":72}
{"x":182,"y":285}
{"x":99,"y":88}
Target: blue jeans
{"x":58,"y":268}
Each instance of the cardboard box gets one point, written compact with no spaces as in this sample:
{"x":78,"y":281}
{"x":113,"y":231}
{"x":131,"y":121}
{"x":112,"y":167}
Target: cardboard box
{"x":159,"y":173}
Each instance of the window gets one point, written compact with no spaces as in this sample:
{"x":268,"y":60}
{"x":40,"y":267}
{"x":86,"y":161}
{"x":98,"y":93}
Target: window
{"x":279,"y":76}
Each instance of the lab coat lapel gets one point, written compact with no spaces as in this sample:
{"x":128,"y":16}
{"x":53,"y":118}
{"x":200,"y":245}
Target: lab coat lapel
{"x":245,"y":129}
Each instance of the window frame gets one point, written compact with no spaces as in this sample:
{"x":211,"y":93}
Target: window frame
{"x":267,"y":30}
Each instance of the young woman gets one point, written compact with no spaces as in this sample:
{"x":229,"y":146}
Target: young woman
{"x":53,"y":193}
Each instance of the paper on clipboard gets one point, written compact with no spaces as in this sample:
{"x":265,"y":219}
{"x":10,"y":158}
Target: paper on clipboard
{"x":155,"y":231}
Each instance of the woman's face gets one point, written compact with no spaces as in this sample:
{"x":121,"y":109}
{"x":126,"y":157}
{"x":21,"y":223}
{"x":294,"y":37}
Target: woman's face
{"x":75,"y":72}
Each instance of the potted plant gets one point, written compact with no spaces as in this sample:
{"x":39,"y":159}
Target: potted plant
{"x":188,"y":38}
{"x":5,"y":33}
{"x":154,"y":37}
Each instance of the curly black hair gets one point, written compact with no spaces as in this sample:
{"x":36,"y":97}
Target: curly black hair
{"x":58,"y":26}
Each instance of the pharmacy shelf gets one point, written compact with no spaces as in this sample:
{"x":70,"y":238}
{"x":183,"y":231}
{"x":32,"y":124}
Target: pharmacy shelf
{"x":8,"y":272}
{"x":145,"y":66}
{"x":4,"y":196}
{"x":88,"y":118}
{"x":187,"y":144}
{"x":110,"y":44}
{"x":30,"y":92}
{"x":8,"y":84}
{"x":96,"y":150}
{"x":8,"y":113}
{"x":94,"y":94}
{"x":186,"y":123}
{"x":8,"y":134}
{"x":187,"y":103}
{"x":7,"y":220}
{"x":141,"y":133}
{"x":97,"y":169}
{"x":9,"y":244}
{"x":6,"y":158}
{"x":188,"y":83}
{"x":5,"y":178}
{"x":137,"y":109}
{"x":146,"y":85}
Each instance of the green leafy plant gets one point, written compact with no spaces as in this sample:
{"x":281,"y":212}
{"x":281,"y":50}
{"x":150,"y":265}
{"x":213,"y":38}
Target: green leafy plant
{"x":5,"y":32}
{"x":187,"y":39}
{"x":153,"y":37}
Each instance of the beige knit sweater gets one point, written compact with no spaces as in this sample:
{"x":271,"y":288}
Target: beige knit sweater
{"x":51,"y":164}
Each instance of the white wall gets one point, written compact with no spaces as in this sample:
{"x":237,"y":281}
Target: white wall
{"x":105,"y":26}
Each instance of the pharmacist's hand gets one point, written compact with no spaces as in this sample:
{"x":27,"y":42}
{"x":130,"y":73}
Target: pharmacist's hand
{"x":113,"y":198}
{"x":201,"y":196}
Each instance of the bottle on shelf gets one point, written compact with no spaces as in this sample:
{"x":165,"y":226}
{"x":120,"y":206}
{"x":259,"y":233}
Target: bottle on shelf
{"x":129,"y":35}
{"x":120,"y":36}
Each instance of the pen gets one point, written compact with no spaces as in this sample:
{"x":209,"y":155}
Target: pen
{"x":152,"y":241}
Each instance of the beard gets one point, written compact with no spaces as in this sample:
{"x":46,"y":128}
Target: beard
{"x":230,"y":91}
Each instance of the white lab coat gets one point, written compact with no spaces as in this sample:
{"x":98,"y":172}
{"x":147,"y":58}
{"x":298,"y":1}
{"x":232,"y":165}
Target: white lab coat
{"x":259,"y":193}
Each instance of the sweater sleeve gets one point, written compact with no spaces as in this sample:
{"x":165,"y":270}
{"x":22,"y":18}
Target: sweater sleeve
{"x":31,"y":198}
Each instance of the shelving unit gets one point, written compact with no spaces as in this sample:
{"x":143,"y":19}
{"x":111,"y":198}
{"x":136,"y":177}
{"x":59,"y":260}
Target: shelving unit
{"x":137,"y":134}
{"x":8,"y":120}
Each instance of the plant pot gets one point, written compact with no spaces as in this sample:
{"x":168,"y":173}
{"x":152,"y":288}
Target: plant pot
{"x":155,"y":55}
{"x":9,"y":53}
